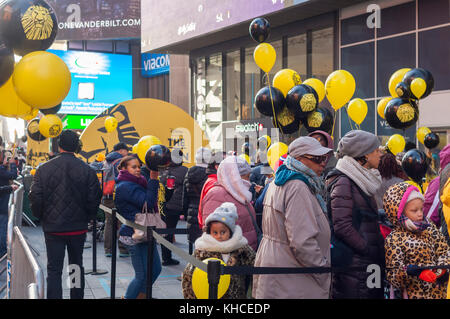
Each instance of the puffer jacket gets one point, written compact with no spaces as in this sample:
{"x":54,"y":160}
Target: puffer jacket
{"x":355,"y":223}
{"x":6,"y":175}
{"x":175,"y":204}
{"x":404,"y":248}
{"x":193,"y":184}
{"x":65,"y":194}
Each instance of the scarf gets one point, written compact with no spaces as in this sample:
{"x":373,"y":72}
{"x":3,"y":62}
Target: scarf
{"x":209,"y":243}
{"x":369,"y":180}
{"x":125,"y":176}
{"x":415,"y":227}
{"x":228,"y":177}
{"x":294,"y":169}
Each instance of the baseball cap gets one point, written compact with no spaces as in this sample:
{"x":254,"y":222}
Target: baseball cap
{"x":306,"y":145}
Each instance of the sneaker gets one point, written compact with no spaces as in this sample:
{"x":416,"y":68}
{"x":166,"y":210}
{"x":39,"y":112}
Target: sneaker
{"x":170,"y":262}
{"x":108,"y":254}
{"x":124,"y":255}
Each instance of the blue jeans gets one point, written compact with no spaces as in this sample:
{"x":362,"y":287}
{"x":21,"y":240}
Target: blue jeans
{"x":139,"y":253}
{"x":3,"y":233}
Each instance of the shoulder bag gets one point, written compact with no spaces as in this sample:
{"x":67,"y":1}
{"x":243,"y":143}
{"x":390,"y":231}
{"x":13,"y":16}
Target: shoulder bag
{"x":145,"y":219}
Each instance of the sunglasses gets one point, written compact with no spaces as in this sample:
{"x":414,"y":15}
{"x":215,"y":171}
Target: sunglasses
{"x":317,"y":159}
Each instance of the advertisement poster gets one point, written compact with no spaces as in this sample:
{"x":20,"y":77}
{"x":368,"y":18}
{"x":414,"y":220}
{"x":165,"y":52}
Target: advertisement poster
{"x":97,"y":19}
{"x":139,"y":117}
{"x":99,"y":81}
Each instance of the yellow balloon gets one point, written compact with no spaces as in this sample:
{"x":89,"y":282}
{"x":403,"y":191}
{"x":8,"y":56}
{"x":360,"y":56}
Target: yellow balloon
{"x":317,"y":85}
{"x":144,"y":144}
{"x":410,"y":182}
{"x":339,"y":87}
{"x":382,"y":105}
{"x":41,"y":79}
{"x":111,"y":124}
{"x":135,"y":148}
{"x":265,"y":56}
{"x":418,"y":87}
{"x":395,"y":79}
{"x":33,"y":171}
{"x":422,"y":132}
{"x":274,"y":153}
{"x":396,"y":144}
{"x":357,"y":110}
{"x":10,"y":104}
{"x":31,"y":115}
{"x":200,"y":284}
{"x":50,"y":125}
{"x":246,"y":157}
{"x":286,"y":79}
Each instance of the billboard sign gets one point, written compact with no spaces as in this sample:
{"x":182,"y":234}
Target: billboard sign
{"x":154,"y":64}
{"x":77,"y":122}
{"x":97,"y":19}
{"x":99,"y":81}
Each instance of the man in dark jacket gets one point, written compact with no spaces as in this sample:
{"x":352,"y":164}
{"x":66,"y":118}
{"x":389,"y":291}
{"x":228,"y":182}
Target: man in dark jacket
{"x":8,"y":172}
{"x":120,"y":150}
{"x":65,"y":196}
{"x":173,"y":208}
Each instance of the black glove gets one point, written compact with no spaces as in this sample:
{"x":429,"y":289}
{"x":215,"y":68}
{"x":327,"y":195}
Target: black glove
{"x":413,"y":270}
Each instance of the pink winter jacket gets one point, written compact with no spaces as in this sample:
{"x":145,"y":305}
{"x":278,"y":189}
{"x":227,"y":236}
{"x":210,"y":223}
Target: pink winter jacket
{"x":219,"y":195}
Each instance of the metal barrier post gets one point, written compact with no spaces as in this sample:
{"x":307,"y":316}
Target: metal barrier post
{"x":213,"y":278}
{"x":94,"y":270}
{"x":150,"y":251}
{"x":114,"y":253}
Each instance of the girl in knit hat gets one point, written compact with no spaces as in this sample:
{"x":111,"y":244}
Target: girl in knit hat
{"x":414,"y":243}
{"x":222,"y":239}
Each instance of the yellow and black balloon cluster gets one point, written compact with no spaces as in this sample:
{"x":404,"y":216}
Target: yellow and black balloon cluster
{"x":406,"y":87}
{"x":288,"y":101}
{"x":40,"y":80}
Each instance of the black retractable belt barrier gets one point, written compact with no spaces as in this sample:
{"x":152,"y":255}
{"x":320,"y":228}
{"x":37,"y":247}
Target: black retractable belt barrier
{"x":213,"y":278}
{"x":94,"y":270}
{"x":151,"y":247}
{"x":114,"y":253}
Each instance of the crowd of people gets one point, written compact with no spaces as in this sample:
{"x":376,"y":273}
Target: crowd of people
{"x":318,"y":208}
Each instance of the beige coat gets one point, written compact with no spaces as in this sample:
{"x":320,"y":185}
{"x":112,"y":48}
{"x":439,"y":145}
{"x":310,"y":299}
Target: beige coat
{"x":296,"y":234}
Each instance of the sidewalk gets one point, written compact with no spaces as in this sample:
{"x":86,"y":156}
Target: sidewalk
{"x":98,"y":286}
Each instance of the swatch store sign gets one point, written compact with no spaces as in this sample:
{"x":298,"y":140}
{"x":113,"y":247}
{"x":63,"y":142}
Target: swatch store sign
{"x":154,"y":64}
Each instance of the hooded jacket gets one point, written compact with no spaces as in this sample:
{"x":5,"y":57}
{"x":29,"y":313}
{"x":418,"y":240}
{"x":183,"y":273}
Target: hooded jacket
{"x":404,"y":248}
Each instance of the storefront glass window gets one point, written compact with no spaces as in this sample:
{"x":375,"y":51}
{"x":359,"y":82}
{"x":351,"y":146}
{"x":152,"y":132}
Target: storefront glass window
{"x":278,"y":46}
{"x":233,"y":86}
{"x":199,"y":109}
{"x":322,"y":53}
{"x":296,"y":59}
{"x":213,"y":100}
{"x":252,"y":86}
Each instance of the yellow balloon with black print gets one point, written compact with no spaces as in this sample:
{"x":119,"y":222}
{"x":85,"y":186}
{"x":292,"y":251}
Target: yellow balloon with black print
{"x":50,"y":126}
{"x":286,"y":79}
{"x":200,"y":284}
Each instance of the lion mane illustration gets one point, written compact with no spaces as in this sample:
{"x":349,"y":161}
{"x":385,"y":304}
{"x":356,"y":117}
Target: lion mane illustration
{"x":37,"y":23}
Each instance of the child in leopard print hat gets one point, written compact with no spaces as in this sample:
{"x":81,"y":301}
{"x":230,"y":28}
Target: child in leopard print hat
{"x":222,"y":239}
{"x":414,"y":243}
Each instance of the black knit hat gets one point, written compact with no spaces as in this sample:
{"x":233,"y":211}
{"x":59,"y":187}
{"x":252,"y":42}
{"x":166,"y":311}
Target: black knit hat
{"x":120,"y":146}
{"x":69,"y":140}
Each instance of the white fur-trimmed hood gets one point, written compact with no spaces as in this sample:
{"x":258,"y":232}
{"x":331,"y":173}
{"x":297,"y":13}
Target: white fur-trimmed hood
{"x":209,"y":243}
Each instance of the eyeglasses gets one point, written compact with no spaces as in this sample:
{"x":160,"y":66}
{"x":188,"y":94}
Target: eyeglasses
{"x":317,"y":159}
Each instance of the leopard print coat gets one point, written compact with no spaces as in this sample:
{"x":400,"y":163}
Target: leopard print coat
{"x":403,"y":247}
{"x":244,"y":256}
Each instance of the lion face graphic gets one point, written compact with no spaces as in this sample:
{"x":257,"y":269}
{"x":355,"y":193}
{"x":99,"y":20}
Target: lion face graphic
{"x":37,"y":23}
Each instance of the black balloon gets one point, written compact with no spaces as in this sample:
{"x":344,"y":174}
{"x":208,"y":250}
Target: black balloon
{"x":286,"y":121}
{"x":321,"y":119}
{"x":33,"y":131}
{"x":301,"y":100}
{"x":24,"y":138}
{"x":28,"y":25}
{"x":431,"y":140}
{"x":6,"y":62}
{"x":401,"y":113}
{"x":403,"y":90}
{"x":419,"y":73}
{"x":52,"y":110}
{"x":157,"y":156}
{"x":415,"y":165}
{"x":263,"y":100}
{"x":259,"y":29}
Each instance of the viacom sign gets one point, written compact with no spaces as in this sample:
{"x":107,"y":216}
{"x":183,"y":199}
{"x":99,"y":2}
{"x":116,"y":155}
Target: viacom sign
{"x":154,"y":64}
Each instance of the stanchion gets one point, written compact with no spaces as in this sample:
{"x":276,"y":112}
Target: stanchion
{"x":94,"y":271}
{"x":150,"y":252}
{"x":191,"y":248}
{"x":213,"y":278}
{"x":114,"y":253}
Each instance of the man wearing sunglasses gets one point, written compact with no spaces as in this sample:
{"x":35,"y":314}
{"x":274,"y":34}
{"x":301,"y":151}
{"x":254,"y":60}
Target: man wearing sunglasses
{"x":295,"y":226}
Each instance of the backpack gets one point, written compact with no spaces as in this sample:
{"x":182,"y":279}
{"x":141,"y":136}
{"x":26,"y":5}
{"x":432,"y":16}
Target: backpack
{"x":109,"y":177}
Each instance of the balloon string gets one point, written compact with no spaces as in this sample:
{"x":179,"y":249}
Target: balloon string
{"x":273,"y":108}
{"x":348,"y":117}
{"x":334,"y":123}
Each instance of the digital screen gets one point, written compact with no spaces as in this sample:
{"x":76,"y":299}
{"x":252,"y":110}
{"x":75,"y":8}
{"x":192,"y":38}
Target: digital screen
{"x":99,"y":81}
{"x":97,"y":19}
{"x":192,"y":18}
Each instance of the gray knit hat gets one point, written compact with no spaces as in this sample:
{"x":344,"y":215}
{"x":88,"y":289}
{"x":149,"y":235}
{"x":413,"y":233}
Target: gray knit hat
{"x":226,"y":214}
{"x":243,"y":166}
{"x":357,"y":143}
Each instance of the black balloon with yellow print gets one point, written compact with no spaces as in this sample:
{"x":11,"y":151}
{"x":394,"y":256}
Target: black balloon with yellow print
{"x":28,"y":25}
{"x":401,"y":113}
{"x":302,"y":100}
{"x":321,"y":119}
{"x":286,"y":121}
